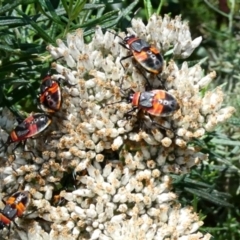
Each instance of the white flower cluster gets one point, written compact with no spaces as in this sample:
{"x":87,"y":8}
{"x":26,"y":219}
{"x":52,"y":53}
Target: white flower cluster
{"x":98,"y":175}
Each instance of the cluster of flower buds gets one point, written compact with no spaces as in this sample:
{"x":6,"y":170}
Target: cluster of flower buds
{"x":101,"y":171}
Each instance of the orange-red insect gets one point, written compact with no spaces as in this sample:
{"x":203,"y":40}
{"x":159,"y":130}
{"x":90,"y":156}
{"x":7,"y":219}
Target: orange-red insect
{"x":158,"y":103}
{"x":146,"y":55}
{"x":14,"y":207}
{"x":29,"y":127}
{"x":50,"y":94}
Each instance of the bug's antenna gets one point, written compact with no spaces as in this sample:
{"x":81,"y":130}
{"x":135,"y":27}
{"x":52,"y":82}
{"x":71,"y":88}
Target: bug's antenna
{"x":115,"y":34}
{"x":122,"y":92}
{"x":113,"y":103}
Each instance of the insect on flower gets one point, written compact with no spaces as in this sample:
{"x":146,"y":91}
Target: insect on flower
{"x":14,"y":207}
{"x":158,"y":103}
{"x":148,"y":56}
{"x":155,"y":103}
{"x":50,"y":97}
{"x":27,"y":128}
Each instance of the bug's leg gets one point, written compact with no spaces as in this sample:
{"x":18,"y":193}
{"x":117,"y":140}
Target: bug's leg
{"x":116,"y":35}
{"x":19,"y":228}
{"x":25,"y":215}
{"x":3,"y":202}
{"x":123,"y":58}
{"x":13,"y":151}
{"x":122,"y":91}
{"x":161,"y":126}
{"x":56,"y":59}
{"x":165,"y":128}
{"x":128,"y":114}
{"x":9,"y":231}
{"x":149,"y":88}
{"x":14,"y":156}
{"x":14,"y":169}
{"x":121,"y":88}
{"x":4,"y":146}
{"x":163,"y":86}
{"x":124,"y":45}
{"x":24,"y":145}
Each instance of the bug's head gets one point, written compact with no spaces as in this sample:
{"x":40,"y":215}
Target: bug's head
{"x":128,"y":38}
{"x":129,"y":96}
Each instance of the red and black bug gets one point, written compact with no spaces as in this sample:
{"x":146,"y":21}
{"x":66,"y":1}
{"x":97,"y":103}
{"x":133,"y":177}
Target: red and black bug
{"x":14,"y":207}
{"x":148,"y":56}
{"x":155,"y":103}
{"x":158,"y":103}
{"x":50,"y":97}
{"x":27,"y":128}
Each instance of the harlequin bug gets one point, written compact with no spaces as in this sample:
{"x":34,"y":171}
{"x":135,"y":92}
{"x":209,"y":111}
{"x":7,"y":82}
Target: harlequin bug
{"x":27,"y":128}
{"x":148,"y":56}
{"x":50,"y":94}
{"x":14,"y":207}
